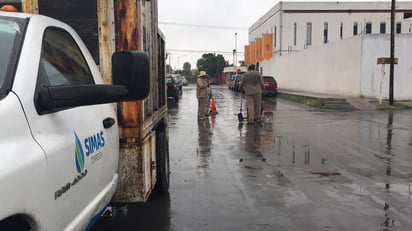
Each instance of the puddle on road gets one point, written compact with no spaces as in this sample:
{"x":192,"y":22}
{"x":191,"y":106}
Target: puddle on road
{"x":259,"y":142}
{"x":299,"y":155}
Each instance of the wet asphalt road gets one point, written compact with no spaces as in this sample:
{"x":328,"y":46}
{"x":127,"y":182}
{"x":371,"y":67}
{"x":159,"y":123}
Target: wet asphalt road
{"x":309,"y":169}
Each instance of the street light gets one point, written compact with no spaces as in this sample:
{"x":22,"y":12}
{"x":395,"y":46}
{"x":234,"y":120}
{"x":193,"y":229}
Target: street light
{"x":235,"y":50}
{"x":235,"y":53}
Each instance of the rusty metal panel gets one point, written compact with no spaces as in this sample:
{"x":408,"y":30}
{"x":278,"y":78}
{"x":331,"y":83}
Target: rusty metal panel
{"x":106,"y":28}
{"x":30,"y":6}
{"x":129,"y":116}
{"x":128,"y":21}
{"x":128,"y":27}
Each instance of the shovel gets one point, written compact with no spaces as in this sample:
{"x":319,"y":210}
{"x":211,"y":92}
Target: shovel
{"x":240,"y":115}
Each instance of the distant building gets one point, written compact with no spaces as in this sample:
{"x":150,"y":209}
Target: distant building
{"x":332,"y":47}
{"x":229,"y":71}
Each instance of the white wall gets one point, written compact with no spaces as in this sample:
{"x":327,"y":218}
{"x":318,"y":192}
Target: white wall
{"x":284,"y":22}
{"x":329,"y":69}
{"x":346,"y":68}
{"x":375,"y":77}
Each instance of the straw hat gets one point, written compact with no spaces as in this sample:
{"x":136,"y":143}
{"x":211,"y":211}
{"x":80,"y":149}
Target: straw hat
{"x":202,"y":74}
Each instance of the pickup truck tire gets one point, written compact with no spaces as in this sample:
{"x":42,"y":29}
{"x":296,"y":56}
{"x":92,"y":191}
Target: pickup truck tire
{"x":162,"y":164}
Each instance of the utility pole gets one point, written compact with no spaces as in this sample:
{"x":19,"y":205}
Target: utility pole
{"x":235,"y":64}
{"x":170,"y":67}
{"x":392,"y":57}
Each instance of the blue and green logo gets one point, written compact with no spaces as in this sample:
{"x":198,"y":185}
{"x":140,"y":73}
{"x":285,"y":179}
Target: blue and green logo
{"x":79,"y":154}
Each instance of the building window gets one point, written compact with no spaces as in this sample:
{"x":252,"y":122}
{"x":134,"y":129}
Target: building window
{"x":382,"y":29}
{"x":325,"y":32}
{"x":341,"y":30}
{"x":407,"y":15}
{"x":368,"y":28}
{"x":398,"y":27}
{"x":295,"y":29}
{"x":274,"y":37}
{"x":308,"y":34}
{"x":355,"y":28}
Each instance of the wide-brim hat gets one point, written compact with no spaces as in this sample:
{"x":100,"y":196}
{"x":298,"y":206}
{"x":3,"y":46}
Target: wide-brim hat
{"x":202,"y":74}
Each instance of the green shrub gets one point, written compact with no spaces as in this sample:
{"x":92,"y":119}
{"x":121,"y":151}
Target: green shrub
{"x":313,"y":102}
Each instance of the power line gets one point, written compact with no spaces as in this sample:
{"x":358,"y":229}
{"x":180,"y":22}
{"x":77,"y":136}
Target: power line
{"x":204,"y":26}
{"x":203,"y":51}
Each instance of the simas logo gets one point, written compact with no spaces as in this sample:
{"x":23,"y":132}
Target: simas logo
{"x":91,"y":145}
{"x":94,"y":143}
{"x":79,"y":154}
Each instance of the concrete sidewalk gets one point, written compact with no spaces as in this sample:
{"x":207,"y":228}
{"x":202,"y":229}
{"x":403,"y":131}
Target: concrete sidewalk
{"x":363,"y":104}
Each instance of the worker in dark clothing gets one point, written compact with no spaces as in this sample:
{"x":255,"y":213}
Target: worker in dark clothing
{"x":253,"y":87}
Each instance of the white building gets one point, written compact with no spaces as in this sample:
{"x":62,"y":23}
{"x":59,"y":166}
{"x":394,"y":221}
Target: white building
{"x":332,"y":47}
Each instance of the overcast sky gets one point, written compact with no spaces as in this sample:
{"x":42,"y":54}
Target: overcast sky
{"x":194,"y":27}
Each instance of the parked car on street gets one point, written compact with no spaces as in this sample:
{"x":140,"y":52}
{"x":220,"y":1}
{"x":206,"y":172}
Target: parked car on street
{"x":185,"y":81}
{"x":271,"y":86}
{"x":179,"y":81}
{"x":236,"y":83}
{"x":173,"y":90}
{"x":230,"y":82}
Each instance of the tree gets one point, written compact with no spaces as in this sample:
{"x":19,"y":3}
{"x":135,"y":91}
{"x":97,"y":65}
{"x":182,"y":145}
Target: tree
{"x":211,"y":63}
{"x":187,"y":72}
{"x":169,"y":69}
{"x":242,"y":63}
{"x":187,"y":66}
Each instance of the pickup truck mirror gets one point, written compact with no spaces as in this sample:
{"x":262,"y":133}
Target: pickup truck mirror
{"x":131,"y":81}
{"x":56,"y":98}
{"x":132,"y":70}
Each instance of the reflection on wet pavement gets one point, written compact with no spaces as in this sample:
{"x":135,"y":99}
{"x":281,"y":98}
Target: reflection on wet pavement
{"x":301,"y":169}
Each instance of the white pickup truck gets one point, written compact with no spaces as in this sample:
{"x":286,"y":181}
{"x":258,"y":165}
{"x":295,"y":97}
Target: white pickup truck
{"x":59,"y":136}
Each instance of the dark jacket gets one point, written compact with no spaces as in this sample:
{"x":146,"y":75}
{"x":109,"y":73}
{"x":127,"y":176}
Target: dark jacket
{"x":252,"y":83}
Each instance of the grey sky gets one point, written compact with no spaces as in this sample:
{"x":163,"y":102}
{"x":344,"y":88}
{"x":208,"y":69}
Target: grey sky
{"x":194,"y":27}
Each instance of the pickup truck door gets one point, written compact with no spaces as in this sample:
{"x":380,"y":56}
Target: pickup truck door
{"x":81,"y":144}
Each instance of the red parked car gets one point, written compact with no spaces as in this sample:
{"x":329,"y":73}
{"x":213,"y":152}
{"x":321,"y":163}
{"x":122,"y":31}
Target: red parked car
{"x":271,"y":86}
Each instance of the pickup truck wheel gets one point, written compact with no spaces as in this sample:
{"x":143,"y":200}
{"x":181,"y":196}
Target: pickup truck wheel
{"x":162,"y":164}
